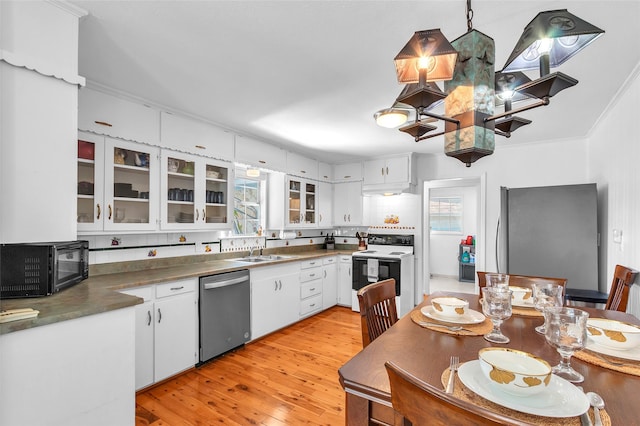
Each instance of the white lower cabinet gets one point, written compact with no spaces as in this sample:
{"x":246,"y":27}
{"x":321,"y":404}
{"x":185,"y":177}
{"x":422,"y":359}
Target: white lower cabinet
{"x":344,"y":280}
{"x":166,"y":330}
{"x":275,"y":296}
{"x":329,"y":282}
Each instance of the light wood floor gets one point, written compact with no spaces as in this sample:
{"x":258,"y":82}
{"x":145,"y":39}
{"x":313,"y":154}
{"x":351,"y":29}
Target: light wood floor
{"x":287,"y":378}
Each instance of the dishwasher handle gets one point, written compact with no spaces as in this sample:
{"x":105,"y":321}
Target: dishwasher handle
{"x":224,"y":283}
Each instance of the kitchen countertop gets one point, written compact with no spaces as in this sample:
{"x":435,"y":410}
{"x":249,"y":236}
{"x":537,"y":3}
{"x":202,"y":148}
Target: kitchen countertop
{"x":98,"y":294}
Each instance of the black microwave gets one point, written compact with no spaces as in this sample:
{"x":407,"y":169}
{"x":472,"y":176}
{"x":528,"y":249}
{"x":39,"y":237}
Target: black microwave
{"x":41,"y":269}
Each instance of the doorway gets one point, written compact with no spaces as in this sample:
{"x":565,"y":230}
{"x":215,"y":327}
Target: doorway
{"x":434,"y":243}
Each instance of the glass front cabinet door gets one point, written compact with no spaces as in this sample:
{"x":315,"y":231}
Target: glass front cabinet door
{"x":195,"y":192}
{"x":91,"y":206}
{"x":130,"y":186}
{"x":302,"y":202}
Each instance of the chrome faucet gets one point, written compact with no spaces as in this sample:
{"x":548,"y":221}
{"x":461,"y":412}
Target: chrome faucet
{"x":251,"y":249}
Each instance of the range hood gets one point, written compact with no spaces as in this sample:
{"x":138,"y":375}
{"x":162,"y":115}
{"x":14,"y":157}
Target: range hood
{"x":388,"y":188}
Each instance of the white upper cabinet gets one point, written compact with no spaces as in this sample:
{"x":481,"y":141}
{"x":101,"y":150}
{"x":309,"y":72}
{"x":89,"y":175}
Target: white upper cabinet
{"x":195,"y":137}
{"x":325,"y":172}
{"x":349,"y":172}
{"x":112,"y":116}
{"x":255,"y":153}
{"x":393,"y":174}
{"x":300,"y":166}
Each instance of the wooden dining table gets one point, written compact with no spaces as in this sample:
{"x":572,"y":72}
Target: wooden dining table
{"x":426,"y":354}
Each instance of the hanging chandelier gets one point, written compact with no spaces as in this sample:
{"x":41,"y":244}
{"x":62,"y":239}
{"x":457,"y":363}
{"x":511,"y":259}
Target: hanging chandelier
{"x":472,"y":87}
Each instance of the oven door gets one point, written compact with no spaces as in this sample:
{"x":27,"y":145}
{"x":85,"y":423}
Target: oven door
{"x":387,"y":268}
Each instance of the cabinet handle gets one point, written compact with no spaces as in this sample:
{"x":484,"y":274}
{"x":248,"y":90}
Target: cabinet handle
{"x":148,"y":318}
{"x":177,"y":288}
{"x":110,"y":212}
{"x":349,"y":271}
{"x":387,"y":170}
{"x":345,"y":217}
{"x":312,"y":275}
{"x":382,"y":171}
{"x":275,"y":288}
{"x":99,"y":211}
{"x":312,"y":289}
{"x":103,"y":123}
{"x":159,"y":316}
{"x":325,"y":274}
{"x":197,"y":215}
{"x":349,"y":217}
{"x":320,"y":217}
{"x":204,"y":216}
{"x":312,"y":305}
{"x":280,"y":281}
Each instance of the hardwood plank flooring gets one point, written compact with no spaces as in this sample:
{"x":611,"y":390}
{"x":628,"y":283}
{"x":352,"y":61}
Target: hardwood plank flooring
{"x":289,"y":377}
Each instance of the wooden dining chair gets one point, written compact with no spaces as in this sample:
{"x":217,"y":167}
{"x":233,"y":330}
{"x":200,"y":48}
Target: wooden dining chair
{"x":378,"y":309}
{"x":523,"y":281}
{"x":418,"y":403}
{"x":623,"y":277}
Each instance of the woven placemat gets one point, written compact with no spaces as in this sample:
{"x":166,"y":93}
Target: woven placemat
{"x":479,"y":329}
{"x":609,"y":362}
{"x":466,"y":394}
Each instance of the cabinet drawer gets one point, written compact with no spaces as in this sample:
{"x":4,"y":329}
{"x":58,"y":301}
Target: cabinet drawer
{"x":311,"y":304}
{"x":310,"y":274}
{"x":173,"y":288}
{"x":145,"y":293}
{"x":310,"y":263}
{"x":310,"y":289}
{"x":328,"y":260}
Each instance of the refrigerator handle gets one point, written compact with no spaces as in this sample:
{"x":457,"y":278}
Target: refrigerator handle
{"x":498,"y":248}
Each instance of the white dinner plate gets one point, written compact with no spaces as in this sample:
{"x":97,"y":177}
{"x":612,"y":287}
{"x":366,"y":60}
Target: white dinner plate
{"x":560,"y":399}
{"x":471,"y":317}
{"x":523,"y":304}
{"x":631,"y":354}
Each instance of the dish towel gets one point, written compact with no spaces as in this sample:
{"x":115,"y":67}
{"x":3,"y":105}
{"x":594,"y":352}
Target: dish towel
{"x":372,"y":270}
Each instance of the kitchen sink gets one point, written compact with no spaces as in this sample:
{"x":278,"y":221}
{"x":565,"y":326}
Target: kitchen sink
{"x":264,"y":258}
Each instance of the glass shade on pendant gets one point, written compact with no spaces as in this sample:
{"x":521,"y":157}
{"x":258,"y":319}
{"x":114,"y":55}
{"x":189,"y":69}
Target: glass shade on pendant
{"x":559,"y":32}
{"x":391,"y":117}
{"x":426,"y":50}
{"x":471,"y":99}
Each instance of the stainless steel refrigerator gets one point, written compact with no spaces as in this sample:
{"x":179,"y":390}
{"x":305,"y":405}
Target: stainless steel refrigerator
{"x":550,"y":231}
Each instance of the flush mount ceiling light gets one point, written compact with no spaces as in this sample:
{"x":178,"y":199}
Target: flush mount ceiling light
{"x":253,"y":173}
{"x":473,"y":88}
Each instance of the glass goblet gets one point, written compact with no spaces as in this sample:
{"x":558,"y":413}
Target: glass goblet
{"x":496,"y":280}
{"x":496,"y":304}
{"x":566,"y":331}
{"x":546,"y":294}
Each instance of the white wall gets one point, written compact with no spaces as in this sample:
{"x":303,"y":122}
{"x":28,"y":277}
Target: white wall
{"x":443,"y":257}
{"x":613,"y":156}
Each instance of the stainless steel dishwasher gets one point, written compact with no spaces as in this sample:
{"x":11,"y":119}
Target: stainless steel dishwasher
{"x":225,"y":313}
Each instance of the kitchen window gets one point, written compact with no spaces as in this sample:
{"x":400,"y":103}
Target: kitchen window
{"x":445,"y":214}
{"x":248,"y":204}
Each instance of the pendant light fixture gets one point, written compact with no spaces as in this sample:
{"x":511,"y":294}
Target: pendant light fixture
{"x":472,"y":87}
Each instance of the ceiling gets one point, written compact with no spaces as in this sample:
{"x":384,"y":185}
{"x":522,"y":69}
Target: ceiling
{"x":309,"y":75}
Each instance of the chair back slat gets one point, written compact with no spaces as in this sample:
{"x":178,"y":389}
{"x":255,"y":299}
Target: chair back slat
{"x":378,"y":309}
{"x":618,"y":298}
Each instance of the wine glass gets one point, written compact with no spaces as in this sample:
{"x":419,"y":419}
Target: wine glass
{"x":496,"y":280}
{"x":496,"y":304}
{"x":546,"y":294}
{"x":566,"y":331}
